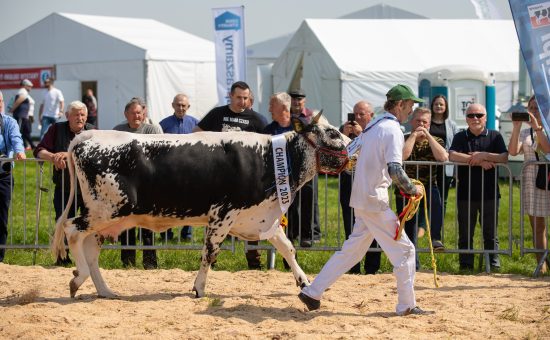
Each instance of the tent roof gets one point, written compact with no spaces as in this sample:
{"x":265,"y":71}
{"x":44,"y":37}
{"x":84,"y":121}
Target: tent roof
{"x":85,"y":38}
{"x":410,"y":45}
{"x":159,"y":40}
{"x":382,"y":10}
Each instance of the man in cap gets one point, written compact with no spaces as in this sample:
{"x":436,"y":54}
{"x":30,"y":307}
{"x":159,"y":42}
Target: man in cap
{"x":303,"y":214}
{"x":377,"y":166}
{"x":22,"y":110}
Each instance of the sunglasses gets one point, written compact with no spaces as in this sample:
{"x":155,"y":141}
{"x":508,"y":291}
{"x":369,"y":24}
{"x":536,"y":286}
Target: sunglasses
{"x":475,"y":115}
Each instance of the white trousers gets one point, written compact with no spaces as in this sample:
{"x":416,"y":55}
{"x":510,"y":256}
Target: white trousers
{"x":368,"y":226}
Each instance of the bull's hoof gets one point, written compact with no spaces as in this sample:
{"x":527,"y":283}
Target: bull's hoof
{"x":107,"y":295}
{"x":75,"y":273}
{"x":197,"y":294}
{"x":73,"y":287}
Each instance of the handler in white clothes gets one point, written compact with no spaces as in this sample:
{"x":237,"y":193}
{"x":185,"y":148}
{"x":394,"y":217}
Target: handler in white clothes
{"x":379,"y":163}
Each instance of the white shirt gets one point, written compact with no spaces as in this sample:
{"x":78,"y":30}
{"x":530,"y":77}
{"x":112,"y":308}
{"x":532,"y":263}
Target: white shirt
{"x":51,"y":102}
{"x":381,"y":144}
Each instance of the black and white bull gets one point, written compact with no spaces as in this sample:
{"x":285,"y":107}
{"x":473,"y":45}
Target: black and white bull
{"x":223,"y":180}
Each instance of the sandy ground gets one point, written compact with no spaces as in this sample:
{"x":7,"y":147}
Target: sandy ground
{"x":35,"y":304}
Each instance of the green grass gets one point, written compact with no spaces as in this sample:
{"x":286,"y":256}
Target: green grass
{"x":24,"y":223}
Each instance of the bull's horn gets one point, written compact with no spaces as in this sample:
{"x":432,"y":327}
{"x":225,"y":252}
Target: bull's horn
{"x":315,"y":119}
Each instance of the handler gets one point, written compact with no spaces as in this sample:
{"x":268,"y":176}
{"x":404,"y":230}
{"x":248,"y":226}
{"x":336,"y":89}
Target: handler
{"x":378,"y":165}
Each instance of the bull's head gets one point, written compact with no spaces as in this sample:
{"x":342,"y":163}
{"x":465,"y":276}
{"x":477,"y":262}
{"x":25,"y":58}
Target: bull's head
{"x":329,"y":143}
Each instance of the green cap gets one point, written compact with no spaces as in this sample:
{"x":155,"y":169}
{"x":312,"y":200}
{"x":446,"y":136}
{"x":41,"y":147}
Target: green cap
{"x":402,"y":92}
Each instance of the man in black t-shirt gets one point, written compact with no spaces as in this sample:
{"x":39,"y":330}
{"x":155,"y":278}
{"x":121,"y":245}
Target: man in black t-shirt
{"x":477,"y":184}
{"x":236,"y":117}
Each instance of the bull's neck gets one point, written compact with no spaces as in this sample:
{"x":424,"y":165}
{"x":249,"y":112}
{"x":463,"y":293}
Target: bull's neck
{"x":303,"y":162}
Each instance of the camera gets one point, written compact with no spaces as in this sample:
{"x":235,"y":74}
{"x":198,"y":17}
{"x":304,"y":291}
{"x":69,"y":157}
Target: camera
{"x":351,"y":117}
{"x":520,"y":117}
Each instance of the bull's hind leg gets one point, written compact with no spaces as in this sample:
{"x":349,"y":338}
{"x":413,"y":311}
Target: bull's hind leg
{"x":92,"y":247}
{"x":214,"y":237}
{"x":75,"y":239}
{"x":285,"y":247}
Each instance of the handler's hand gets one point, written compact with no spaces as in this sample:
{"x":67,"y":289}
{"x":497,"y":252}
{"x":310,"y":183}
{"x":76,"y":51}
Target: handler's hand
{"x":419,"y":190}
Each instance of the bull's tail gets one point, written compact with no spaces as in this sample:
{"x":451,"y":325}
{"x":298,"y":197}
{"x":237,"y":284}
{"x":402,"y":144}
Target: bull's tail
{"x":57,"y":245}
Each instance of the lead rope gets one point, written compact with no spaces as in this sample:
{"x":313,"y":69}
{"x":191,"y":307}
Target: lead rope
{"x":410,"y":210}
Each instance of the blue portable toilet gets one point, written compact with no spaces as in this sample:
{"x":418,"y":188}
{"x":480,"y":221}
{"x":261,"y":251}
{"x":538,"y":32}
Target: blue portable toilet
{"x":462,"y":85}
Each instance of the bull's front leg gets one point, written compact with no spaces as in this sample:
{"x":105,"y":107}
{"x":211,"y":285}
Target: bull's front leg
{"x":215,"y":235}
{"x":285,"y":247}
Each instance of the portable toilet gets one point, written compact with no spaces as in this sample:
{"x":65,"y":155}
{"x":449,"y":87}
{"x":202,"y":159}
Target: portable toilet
{"x":462,"y":85}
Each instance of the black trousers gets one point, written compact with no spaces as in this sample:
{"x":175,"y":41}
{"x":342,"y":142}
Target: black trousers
{"x":466,"y":226}
{"x":303,"y":213}
{"x":128,"y":256}
{"x":25,"y":127}
{"x":6,"y":185}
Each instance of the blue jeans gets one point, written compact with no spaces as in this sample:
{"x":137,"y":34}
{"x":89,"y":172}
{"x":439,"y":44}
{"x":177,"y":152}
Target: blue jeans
{"x":46,"y":122}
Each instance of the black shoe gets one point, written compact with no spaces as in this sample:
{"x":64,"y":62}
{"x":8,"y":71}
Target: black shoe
{"x":438,"y":246}
{"x":415,"y":311}
{"x":310,"y":302}
{"x":306,"y":243}
{"x":254,"y":266}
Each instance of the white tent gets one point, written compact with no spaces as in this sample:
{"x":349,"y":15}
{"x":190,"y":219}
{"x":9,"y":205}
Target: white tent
{"x":339,"y":62}
{"x":125,"y":57}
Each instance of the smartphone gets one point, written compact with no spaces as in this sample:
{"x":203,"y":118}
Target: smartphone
{"x":351,"y":117}
{"x":520,"y":117}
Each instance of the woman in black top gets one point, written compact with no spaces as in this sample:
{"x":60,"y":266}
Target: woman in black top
{"x":445,"y":128}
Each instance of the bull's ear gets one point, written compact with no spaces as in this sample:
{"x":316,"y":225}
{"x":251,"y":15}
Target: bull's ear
{"x":315,"y":119}
{"x":297,"y":124}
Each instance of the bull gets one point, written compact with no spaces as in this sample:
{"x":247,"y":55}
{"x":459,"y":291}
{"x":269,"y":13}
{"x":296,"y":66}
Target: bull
{"x":225,"y":181}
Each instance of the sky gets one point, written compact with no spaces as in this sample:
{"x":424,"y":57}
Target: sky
{"x":264,"y":19}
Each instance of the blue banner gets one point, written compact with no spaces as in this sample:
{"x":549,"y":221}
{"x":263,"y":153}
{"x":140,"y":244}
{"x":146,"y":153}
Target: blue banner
{"x":230,"y":49}
{"x":532,"y":20}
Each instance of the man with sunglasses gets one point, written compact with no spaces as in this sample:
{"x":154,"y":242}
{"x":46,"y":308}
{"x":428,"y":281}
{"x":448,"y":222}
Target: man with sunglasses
{"x":477,"y":188}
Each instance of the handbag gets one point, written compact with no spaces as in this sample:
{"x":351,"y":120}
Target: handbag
{"x":543,"y":172}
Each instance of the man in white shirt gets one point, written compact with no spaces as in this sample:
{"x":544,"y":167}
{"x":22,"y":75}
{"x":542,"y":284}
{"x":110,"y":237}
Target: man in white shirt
{"x":51,"y":107}
{"x":377,"y":166}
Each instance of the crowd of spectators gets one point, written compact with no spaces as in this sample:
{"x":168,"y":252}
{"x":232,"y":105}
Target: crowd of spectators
{"x":434,"y":137}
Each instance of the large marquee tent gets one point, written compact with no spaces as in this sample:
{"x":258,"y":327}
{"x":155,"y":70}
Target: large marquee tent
{"x":339,"y":62}
{"x":125,"y":57}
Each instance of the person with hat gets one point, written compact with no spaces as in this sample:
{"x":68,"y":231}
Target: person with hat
{"x":303,"y":214}
{"x":23,"y":112}
{"x":377,"y":167}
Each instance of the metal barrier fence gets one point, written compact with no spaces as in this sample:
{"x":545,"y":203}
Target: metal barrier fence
{"x":539,"y":202}
{"x":32,"y":217}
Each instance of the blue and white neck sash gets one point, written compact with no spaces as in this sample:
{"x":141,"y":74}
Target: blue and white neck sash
{"x":355,"y":144}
